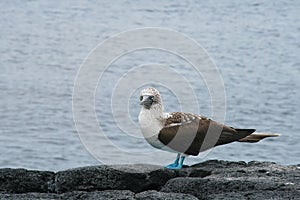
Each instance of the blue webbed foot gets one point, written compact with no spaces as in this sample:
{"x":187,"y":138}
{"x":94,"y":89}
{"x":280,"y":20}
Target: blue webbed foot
{"x":176,"y":164}
{"x":172,"y":166}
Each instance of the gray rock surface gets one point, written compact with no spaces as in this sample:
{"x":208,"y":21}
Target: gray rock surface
{"x":22,"y":180}
{"x":208,"y":180}
{"x":136,"y":178}
{"x":239,"y":180}
{"x":155,"y":195}
{"x":105,"y":195}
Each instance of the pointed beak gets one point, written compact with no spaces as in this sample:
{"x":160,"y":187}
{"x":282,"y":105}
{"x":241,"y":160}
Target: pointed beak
{"x":146,"y":101}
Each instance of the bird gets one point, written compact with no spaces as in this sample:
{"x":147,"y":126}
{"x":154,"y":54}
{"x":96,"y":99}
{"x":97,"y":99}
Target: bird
{"x":185,"y":133}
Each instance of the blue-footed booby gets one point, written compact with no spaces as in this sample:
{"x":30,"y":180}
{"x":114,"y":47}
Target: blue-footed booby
{"x":185,"y":133}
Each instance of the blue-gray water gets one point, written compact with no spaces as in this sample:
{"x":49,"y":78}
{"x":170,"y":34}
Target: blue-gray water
{"x":255,"y":45}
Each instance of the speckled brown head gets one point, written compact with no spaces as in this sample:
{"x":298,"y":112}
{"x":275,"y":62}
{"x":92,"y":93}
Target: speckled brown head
{"x":150,"y":97}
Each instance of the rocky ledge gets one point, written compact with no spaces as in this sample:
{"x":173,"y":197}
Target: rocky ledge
{"x":208,"y":180}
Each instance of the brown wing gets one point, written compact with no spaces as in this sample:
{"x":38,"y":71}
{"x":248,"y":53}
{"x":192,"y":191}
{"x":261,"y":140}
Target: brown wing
{"x":191,"y":134}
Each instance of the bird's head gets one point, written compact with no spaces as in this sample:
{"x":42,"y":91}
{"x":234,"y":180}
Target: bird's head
{"x":150,"y":98}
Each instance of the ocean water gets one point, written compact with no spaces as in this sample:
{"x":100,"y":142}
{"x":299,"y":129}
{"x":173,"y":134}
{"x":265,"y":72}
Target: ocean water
{"x":254,"y":44}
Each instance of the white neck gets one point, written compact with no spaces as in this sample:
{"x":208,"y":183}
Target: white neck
{"x":151,"y":120}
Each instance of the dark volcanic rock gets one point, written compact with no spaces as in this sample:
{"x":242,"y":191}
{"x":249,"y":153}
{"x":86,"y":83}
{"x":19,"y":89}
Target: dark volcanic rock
{"x":29,"y":196}
{"x":239,"y":180}
{"x":136,"y":178}
{"x":154,"y":195}
{"x":210,"y":188}
{"x":22,"y":180}
{"x":208,"y":180}
{"x":103,"y":195}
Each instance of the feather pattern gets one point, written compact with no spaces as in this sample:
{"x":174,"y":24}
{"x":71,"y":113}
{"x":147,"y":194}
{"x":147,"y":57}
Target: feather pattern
{"x":190,"y":134}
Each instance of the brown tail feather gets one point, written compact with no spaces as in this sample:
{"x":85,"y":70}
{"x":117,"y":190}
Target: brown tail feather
{"x":256,"y":137}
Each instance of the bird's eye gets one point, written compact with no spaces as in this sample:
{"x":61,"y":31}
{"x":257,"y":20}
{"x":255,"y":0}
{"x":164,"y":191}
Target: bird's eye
{"x":151,"y":98}
{"x":141,"y":98}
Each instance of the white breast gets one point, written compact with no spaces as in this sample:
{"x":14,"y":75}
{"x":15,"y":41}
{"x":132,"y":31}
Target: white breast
{"x":150,"y":125}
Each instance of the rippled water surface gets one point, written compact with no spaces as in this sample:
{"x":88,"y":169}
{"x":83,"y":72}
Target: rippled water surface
{"x":42,"y":45}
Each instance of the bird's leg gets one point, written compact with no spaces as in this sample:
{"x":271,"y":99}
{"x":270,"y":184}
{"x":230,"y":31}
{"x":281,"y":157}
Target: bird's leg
{"x":175,"y":164}
{"x":181,"y":162}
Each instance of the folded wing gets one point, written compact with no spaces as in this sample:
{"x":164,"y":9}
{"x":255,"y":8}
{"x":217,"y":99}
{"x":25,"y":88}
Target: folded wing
{"x":191,"y":134}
